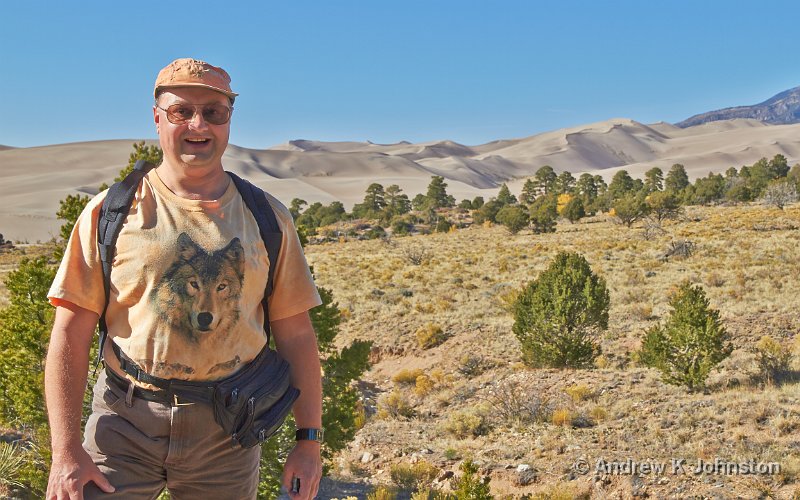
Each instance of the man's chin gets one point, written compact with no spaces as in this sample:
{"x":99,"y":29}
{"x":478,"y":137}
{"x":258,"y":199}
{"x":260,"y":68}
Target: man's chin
{"x":198,"y":160}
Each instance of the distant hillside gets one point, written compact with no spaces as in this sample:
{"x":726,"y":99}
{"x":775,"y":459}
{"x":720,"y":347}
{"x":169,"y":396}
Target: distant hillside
{"x":33,"y":180}
{"x":781,"y":109}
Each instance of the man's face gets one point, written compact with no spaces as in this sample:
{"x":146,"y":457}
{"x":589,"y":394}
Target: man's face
{"x":195,"y":143}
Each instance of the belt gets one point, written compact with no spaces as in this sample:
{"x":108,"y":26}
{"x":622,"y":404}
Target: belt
{"x":171,"y":389}
{"x":127,"y":386}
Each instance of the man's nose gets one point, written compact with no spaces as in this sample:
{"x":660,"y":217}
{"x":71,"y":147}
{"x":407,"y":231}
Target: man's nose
{"x":198,"y":122}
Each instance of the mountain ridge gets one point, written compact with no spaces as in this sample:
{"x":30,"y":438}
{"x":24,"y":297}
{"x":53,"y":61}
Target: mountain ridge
{"x":781,"y":109}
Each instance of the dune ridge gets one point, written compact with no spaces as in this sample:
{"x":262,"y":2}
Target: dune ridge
{"x":35,"y":179}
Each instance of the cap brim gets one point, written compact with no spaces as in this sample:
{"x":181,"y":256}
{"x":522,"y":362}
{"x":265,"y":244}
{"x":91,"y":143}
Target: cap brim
{"x":203,"y":85}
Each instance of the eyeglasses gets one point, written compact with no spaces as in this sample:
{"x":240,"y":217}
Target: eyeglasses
{"x":180,"y":113}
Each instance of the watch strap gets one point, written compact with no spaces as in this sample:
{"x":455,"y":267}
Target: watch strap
{"x":308,"y":434}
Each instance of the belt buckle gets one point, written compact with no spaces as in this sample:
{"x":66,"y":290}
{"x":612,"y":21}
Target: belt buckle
{"x":177,"y":402}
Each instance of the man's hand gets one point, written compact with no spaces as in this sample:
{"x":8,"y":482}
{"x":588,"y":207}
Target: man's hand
{"x":70,"y":472}
{"x":304,"y":463}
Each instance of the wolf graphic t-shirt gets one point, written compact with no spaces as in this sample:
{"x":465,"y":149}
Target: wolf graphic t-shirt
{"x":187,"y":280}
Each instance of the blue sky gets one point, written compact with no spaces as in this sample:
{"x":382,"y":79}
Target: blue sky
{"x":469,"y":71}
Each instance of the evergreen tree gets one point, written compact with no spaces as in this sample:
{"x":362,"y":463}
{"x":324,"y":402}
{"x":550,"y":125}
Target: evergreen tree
{"x":152,"y":154}
{"x":465,"y":204}
{"x":25,"y":326}
{"x":587,"y":187}
{"x":69,"y":209}
{"x":505,"y":197}
{"x":574,"y":210}
{"x":778,"y":167}
{"x":602,"y":187}
{"x":419,"y":202}
{"x":565,"y":183}
{"x":544,"y":213}
{"x":513,"y":217}
{"x":487,"y":212}
{"x":374,"y":198}
{"x":663,"y":205}
{"x":436,"y":196}
{"x":528,"y":192}
{"x":559,"y":315}
{"x":296,"y":206}
{"x":630,"y":208}
{"x":621,"y":185}
{"x":709,"y":189}
{"x":677,"y":179}
{"x":690,"y":343}
{"x":654,"y":180}
{"x":477,"y":202}
{"x":545,"y":180}
{"x":397,"y":202}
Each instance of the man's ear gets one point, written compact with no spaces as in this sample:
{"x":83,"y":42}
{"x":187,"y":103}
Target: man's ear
{"x":156,"y":119}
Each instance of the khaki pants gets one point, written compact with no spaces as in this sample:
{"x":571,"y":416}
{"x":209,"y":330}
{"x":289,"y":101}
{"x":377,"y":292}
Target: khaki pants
{"x":146,"y":446}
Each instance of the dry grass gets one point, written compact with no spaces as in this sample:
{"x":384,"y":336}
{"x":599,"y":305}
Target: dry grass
{"x":747,"y":259}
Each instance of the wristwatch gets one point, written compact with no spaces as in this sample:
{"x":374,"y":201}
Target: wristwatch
{"x":307,"y":434}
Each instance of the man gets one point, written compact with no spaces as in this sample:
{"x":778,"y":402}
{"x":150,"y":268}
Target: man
{"x":187,"y":279}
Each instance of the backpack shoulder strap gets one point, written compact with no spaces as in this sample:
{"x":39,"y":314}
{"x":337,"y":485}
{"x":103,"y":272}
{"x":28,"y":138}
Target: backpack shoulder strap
{"x":256,"y":201}
{"x":115,"y":208}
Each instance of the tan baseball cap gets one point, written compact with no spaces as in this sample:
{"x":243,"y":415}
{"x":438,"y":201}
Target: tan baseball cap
{"x":189,"y":72}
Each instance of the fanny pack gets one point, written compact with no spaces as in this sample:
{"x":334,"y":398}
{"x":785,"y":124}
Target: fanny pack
{"x":249,"y":405}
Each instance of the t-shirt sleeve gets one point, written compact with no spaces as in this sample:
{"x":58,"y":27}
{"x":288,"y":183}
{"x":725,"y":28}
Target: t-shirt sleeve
{"x":293,"y":290}
{"x":79,"y":279}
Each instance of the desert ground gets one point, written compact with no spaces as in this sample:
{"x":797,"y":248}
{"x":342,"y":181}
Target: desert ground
{"x":544,"y":432}
{"x":475,"y":396}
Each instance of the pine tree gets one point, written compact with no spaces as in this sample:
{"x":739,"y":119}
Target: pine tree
{"x":505,"y":197}
{"x":565,"y":183}
{"x":544,"y":213}
{"x":654,"y":180}
{"x":691,"y":341}
{"x":677,"y":179}
{"x":621,"y":184}
{"x":513,"y":217}
{"x":630,"y":208}
{"x":558,"y":316}
{"x":339,"y":397}
{"x":436,"y":196}
{"x":545,"y":180}
{"x":529,"y":192}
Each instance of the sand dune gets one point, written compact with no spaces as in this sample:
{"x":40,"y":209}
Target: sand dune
{"x":35,"y":179}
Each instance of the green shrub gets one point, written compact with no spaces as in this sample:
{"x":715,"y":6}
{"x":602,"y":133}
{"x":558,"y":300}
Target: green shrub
{"x":469,"y":486}
{"x":513,"y":217}
{"x":24,"y":334}
{"x":630,"y":208}
{"x":382,"y":493}
{"x":773,"y":359}
{"x":442,"y":225}
{"x":401,"y":226}
{"x":691,"y":341}
{"x":543,"y":214}
{"x":467,"y":423}
{"x":574,"y":209}
{"x":394,"y":405}
{"x":558,"y":315}
{"x":413,"y":476}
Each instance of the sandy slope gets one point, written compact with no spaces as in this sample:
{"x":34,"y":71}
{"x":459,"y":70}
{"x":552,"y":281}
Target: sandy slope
{"x":33,"y":180}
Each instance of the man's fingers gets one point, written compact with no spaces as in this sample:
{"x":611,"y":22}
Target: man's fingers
{"x":101,"y":481}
